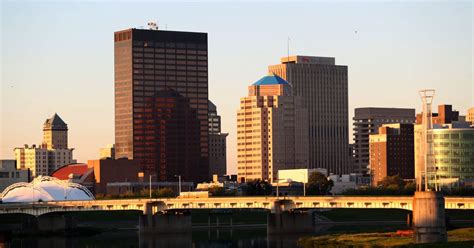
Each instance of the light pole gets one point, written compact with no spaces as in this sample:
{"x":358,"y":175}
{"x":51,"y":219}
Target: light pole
{"x":150,"y":183}
{"x":179,"y":184}
{"x":305,"y":180}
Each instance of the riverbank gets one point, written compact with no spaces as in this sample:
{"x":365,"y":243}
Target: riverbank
{"x":463,"y":237}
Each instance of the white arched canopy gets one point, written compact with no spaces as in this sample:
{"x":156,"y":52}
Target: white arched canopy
{"x":44,"y":188}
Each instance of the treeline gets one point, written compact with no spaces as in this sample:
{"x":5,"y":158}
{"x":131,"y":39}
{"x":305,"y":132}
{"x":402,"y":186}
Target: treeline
{"x":395,"y":185}
{"x":145,"y":193}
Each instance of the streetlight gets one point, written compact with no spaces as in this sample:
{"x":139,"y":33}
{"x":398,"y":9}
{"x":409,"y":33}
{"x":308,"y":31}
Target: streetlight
{"x":150,"y":183}
{"x":179,"y":183}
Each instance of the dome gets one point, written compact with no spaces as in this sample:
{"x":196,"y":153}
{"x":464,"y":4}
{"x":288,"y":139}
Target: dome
{"x":45,"y":188}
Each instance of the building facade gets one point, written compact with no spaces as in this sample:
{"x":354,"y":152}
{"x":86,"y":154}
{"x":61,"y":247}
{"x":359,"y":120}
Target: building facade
{"x":392,"y":152}
{"x":272,"y":129}
{"x":107,"y":152}
{"x":445,"y":115}
{"x":470,"y":115}
{"x":453,"y":151}
{"x":323,"y":85}
{"x":151,"y":61}
{"x":9,"y":174}
{"x":217,"y":144}
{"x":51,"y":154}
{"x":366,"y":122}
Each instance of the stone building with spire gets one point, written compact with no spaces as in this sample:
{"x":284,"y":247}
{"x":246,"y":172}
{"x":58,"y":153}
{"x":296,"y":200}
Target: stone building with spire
{"x":51,"y":154}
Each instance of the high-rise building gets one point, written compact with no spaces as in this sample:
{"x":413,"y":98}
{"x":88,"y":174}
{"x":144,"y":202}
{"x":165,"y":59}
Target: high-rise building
{"x":272,"y":129}
{"x":323,"y":85}
{"x":445,"y":115}
{"x":51,"y":154}
{"x":453,"y":145}
{"x":217,"y":143}
{"x":366,"y":122}
{"x":392,"y":152}
{"x":149,"y":61}
{"x":107,"y":152}
{"x":470,"y":115}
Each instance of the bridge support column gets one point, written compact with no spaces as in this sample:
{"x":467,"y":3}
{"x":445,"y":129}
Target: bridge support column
{"x":176,"y":222}
{"x":290,"y":222}
{"x":55,"y":223}
{"x":429,"y":223}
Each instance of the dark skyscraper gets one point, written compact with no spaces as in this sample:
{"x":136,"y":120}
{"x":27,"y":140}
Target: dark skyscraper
{"x":149,"y":62}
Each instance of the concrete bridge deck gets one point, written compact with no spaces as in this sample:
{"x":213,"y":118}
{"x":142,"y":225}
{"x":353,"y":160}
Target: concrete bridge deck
{"x":284,"y":204}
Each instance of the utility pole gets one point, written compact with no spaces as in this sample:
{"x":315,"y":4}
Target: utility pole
{"x":179,"y":184}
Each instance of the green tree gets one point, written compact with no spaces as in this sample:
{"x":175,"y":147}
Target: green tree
{"x":318,"y":184}
{"x":163,"y":193}
{"x":392,"y":182}
{"x":258,"y":187}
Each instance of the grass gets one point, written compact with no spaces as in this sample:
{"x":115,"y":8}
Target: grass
{"x":463,"y":237}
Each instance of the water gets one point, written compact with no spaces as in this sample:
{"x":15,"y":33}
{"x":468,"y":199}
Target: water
{"x":202,"y":237}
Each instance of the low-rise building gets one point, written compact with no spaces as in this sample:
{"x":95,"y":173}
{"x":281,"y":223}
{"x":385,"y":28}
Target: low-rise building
{"x":299,"y":175}
{"x":347,"y":181}
{"x":9,"y":174}
{"x":97,"y":174}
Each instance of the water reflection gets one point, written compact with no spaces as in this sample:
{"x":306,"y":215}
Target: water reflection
{"x":204,"y":237}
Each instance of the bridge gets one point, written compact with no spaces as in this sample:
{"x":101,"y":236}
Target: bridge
{"x":272,"y":204}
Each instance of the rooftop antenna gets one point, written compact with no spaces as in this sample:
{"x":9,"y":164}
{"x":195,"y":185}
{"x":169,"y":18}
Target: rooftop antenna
{"x":288,"y":50}
{"x":426,"y":144}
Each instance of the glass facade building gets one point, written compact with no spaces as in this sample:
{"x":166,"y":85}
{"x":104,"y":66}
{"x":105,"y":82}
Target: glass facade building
{"x":453,"y":146}
{"x":152,"y":61}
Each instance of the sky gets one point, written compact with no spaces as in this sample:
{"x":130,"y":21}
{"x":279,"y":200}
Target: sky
{"x":58,"y":57}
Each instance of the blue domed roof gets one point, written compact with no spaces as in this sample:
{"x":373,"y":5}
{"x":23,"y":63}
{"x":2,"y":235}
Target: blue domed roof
{"x":270,"y":80}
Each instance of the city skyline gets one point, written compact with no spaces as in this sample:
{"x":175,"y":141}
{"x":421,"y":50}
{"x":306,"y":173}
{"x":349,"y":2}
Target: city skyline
{"x":27,"y":98}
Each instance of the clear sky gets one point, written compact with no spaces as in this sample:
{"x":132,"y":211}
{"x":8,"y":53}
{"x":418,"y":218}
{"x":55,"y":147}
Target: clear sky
{"x":58,"y":57}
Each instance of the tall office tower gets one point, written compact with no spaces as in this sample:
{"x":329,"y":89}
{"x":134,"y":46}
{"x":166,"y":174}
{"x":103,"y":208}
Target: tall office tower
{"x":148,"y":61}
{"x":272,"y":129}
{"x":323,"y":86}
{"x":392,"y":152}
{"x":55,"y":133}
{"x":217,"y":144}
{"x":367,"y":121}
{"x":445,"y":115}
{"x":51,"y":154}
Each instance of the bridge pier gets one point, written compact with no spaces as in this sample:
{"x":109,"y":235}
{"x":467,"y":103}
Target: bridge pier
{"x":290,"y":222}
{"x":167,"y":223}
{"x":429,"y":223}
{"x":55,"y":223}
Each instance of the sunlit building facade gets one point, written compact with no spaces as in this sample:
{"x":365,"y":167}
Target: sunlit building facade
{"x":217,"y":144}
{"x":148,"y":61}
{"x":392,"y":152}
{"x":272,"y":129}
{"x":453,"y":153}
{"x":51,"y":154}
{"x":323,"y":86}
{"x":367,"y":122}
